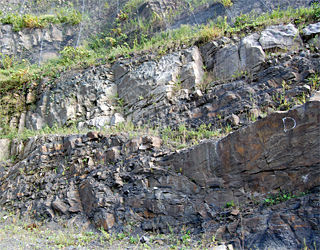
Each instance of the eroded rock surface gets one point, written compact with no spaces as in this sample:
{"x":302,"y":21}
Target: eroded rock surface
{"x":112,"y":181}
{"x":94,"y":175}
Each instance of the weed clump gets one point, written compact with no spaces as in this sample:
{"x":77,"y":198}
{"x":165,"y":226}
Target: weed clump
{"x":64,"y":15}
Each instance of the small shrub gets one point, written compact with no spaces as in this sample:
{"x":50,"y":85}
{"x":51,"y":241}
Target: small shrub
{"x":226,"y":3}
{"x":316,"y":11}
{"x":281,"y":197}
{"x":72,"y":54}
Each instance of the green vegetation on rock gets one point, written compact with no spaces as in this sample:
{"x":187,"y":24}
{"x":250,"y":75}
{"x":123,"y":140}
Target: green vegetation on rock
{"x":16,"y":77}
{"x":63,"y":15}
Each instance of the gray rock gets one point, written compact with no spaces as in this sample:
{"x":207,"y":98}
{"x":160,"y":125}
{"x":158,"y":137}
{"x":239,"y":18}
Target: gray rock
{"x":56,"y":34}
{"x":4,"y":149}
{"x":192,"y":70}
{"x":143,"y":81}
{"x":116,"y":118}
{"x":227,"y":61}
{"x":251,"y":53}
{"x":234,"y":58}
{"x":315,"y":96}
{"x":280,"y":36}
{"x":233,"y":120}
{"x":311,"y":30}
{"x":311,"y":33}
{"x":151,"y":141}
{"x":88,"y":97}
{"x":100,"y":122}
{"x":208,"y":50}
{"x":22,"y":122}
{"x":197,"y":93}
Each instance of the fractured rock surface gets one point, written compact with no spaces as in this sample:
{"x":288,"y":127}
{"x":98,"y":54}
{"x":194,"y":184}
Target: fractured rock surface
{"x":93,"y":175}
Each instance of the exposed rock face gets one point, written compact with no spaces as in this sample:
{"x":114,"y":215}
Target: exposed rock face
{"x":285,"y":226}
{"x":4,"y":149}
{"x":164,"y":89}
{"x":214,"y":9}
{"x":233,"y":58}
{"x":280,"y":36}
{"x":251,"y":53}
{"x":27,"y":43}
{"x":87,"y":95}
{"x":311,"y":30}
{"x":90,"y":95}
{"x":109,"y":181}
{"x":152,"y":77}
{"x":311,"y":33}
{"x":273,"y":144}
{"x":154,"y":188}
{"x":226,"y":59}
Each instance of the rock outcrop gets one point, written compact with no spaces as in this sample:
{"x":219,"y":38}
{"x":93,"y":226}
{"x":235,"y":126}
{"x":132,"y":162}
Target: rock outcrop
{"x":39,"y":45}
{"x":4,"y":149}
{"x":36,"y":45}
{"x":311,"y":34}
{"x":169,"y":89}
{"x":256,"y":187}
{"x":114,"y":181}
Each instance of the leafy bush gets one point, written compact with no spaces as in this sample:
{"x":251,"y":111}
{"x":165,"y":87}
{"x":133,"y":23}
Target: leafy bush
{"x":70,"y":16}
{"x":226,"y":3}
{"x":70,"y":54}
{"x":7,"y":61}
{"x":316,"y":11}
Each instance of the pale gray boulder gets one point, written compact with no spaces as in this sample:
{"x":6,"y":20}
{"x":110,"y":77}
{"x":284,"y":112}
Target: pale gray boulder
{"x":280,"y":36}
{"x":311,"y":33}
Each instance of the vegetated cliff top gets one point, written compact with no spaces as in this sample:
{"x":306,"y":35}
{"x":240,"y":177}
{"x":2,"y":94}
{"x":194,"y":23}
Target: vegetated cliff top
{"x":17,"y":77}
{"x":136,"y":183}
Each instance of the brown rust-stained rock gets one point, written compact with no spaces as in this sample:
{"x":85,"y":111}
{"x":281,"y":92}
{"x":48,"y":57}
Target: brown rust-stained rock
{"x":151,"y":141}
{"x":275,"y":152}
{"x":60,"y":206}
{"x":93,"y":135}
{"x":87,"y":196}
{"x":104,"y":219}
{"x":112,"y":154}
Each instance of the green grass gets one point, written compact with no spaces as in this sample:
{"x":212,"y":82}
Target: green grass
{"x":62,"y":15}
{"x":178,"y":138}
{"x":23,"y":233}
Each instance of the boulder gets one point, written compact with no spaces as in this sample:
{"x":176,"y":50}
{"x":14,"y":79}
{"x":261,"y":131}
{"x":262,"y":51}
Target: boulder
{"x":311,"y":30}
{"x":311,"y":33}
{"x":117,"y":118}
{"x":280,"y":36}
{"x":251,"y":53}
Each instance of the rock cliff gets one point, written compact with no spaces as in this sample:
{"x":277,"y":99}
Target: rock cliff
{"x":254,"y":185}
